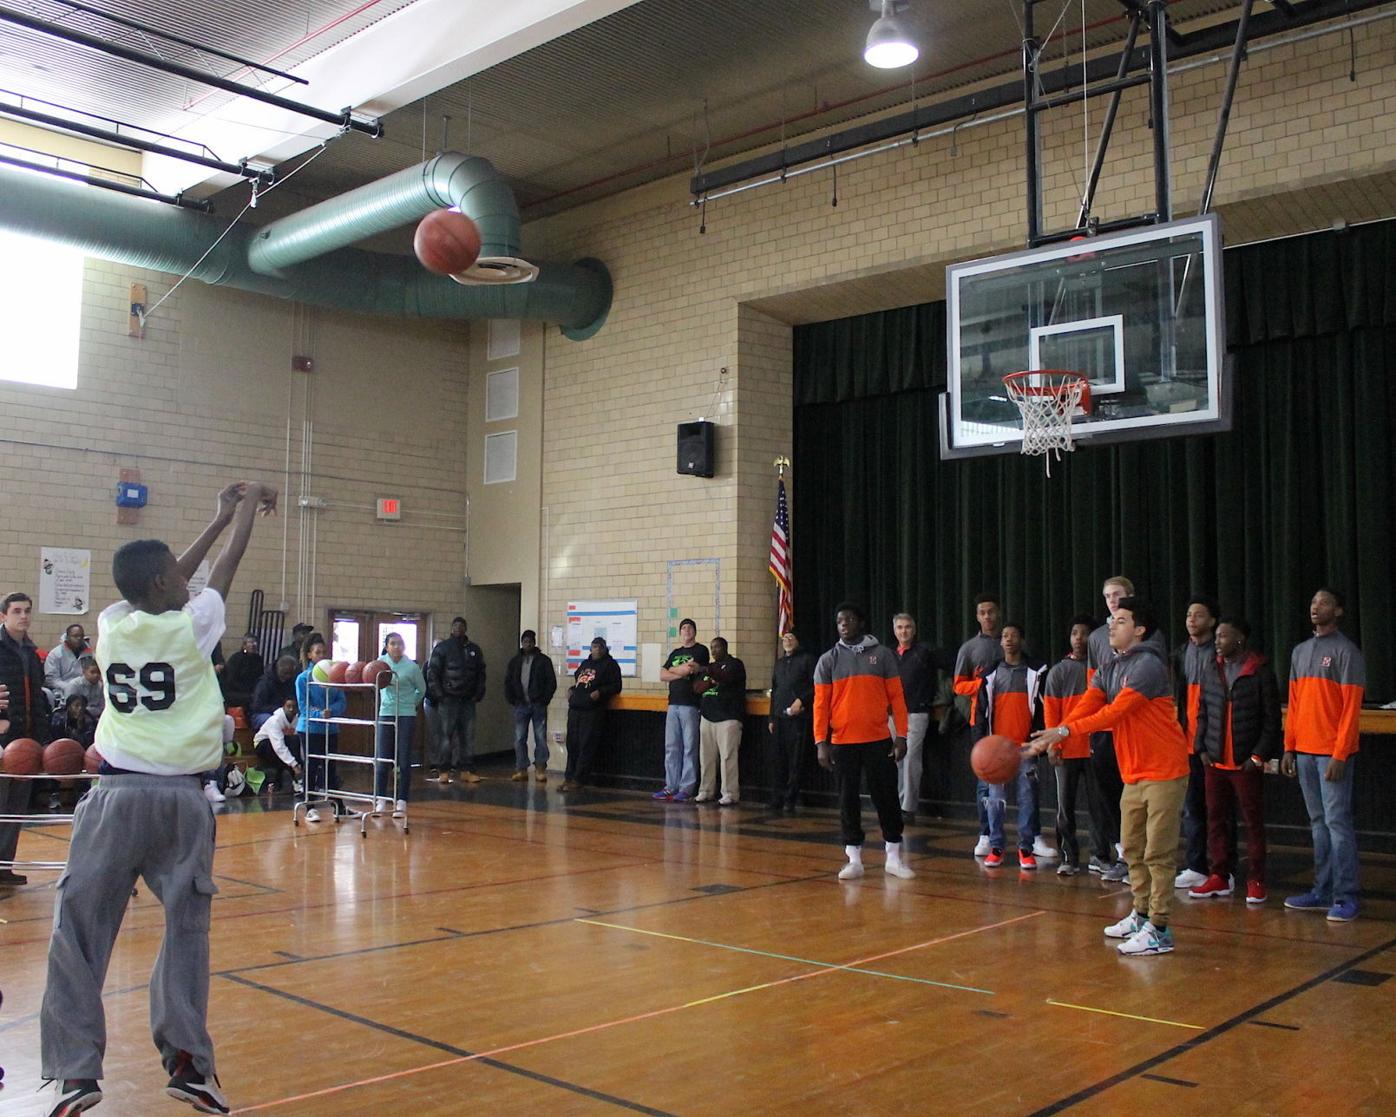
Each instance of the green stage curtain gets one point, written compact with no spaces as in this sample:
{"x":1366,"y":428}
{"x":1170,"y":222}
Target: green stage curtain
{"x":1299,"y":494}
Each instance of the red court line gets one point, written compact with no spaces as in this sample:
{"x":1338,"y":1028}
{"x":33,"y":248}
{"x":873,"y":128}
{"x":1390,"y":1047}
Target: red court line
{"x":653,"y":1014}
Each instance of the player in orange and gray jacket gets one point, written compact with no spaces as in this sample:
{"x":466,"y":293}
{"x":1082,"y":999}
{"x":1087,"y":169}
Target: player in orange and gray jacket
{"x":1327,"y":677}
{"x":857,"y":684}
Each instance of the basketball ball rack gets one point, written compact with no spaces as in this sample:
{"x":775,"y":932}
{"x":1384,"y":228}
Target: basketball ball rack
{"x":329,"y":796}
{"x":47,"y":819}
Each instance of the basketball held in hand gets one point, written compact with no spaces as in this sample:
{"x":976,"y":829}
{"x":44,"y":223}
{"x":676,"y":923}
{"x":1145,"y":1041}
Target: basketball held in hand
{"x":996,"y":759}
{"x":447,"y":242}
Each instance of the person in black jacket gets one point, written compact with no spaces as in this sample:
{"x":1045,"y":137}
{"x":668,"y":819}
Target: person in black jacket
{"x":28,"y":714}
{"x":242,"y":673}
{"x":595,"y":682}
{"x":274,"y":689}
{"x":723,"y":703}
{"x":455,"y":683}
{"x":792,"y":704}
{"x":919,"y":667}
{"x":530,"y":681}
{"x":1238,"y":731}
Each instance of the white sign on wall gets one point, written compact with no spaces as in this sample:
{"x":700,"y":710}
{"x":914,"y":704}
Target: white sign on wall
{"x":65,"y":580}
{"x":613,"y":621}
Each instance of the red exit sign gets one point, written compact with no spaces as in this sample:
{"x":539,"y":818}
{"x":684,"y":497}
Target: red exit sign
{"x":389,"y":508}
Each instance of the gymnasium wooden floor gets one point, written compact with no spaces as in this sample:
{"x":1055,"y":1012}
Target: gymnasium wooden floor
{"x":518,"y":954}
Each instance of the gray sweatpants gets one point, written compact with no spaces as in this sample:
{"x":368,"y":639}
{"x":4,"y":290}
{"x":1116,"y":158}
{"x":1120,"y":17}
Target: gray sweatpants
{"x":160,"y":828}
{"x":909,"y":770}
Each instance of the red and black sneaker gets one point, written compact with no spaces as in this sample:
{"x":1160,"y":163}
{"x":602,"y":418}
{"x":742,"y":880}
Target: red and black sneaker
{"x":1027,"y":859}
{"x":994,"y":859}
{"x":1214,"y":888}
{"x":75,"y":1095}
{"x":188,"y":1085}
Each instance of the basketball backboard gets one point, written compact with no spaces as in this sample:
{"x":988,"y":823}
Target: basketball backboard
{"x":1137,"y":312}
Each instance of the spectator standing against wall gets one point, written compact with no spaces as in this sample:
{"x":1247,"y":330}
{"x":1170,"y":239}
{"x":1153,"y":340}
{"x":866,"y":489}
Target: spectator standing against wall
{"x":681,"y":733}
{"x":792,"y":707}
{"x":455,"y":683}
{"x":530,"y":682}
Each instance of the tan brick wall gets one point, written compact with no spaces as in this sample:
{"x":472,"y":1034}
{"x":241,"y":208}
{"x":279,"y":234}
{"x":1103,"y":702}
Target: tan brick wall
{"x":207,"y":397}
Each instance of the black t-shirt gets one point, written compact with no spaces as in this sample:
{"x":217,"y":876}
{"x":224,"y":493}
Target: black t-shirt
{"x":681,"y":690}
{"x":725,"y":699}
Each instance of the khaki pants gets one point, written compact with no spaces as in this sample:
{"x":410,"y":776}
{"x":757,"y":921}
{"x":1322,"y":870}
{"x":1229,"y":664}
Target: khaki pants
{"x":719,"y":739}
{"x":1149,"y":827}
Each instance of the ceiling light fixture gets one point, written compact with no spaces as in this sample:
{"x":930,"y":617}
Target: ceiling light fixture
{"x":889,"y":44}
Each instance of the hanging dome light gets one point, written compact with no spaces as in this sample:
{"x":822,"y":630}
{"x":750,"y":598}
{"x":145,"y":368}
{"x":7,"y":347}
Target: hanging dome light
{"x":889,"y":43}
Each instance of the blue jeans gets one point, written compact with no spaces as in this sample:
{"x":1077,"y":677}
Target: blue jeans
{"x":400,"y":751}
{"x":993,"y":805}
{"x":681,"y":748}
{"x":1330,"y":818}
{"x":530,"y":712}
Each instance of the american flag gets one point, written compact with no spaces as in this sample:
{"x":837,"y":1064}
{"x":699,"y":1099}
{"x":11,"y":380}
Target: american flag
{"x":779,"y":562}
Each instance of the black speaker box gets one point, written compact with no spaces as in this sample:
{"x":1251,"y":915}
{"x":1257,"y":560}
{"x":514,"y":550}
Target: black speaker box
{"x":696,"y":455}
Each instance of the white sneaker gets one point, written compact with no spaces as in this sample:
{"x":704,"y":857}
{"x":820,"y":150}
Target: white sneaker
{"x":1042,"y":851}
{"x":1120,"y":853}
{"x":894,"y":866}
{"x":1189,"y":878}
{"x":982,"y":847}
{"x":1148,"y":940}
{"x":212,"y":794}
{"x":297,"y":787}
{"x":1127,"y":927}
{"x":312,"y":815}
{"x":379,"y":806}
{"x":703,"y":797}
{"x":400,"y":811}
{"x":727,"y":801}
{"x":854,"y":869}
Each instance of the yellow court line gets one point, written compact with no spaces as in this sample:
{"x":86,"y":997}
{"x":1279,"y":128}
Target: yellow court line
{"x":1127,"y":1015}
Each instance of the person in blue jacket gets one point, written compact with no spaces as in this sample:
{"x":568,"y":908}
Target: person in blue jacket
{"x":317,"y":701}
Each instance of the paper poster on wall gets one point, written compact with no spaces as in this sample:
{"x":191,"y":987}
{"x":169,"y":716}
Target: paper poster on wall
{"x":613,"y":621}
{"x":199,"y":581}
{"x":65,"y":580}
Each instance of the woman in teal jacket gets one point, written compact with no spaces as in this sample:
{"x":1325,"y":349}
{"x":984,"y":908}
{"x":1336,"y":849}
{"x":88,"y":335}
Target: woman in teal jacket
{"x":397,"y":724}
{"x":315,"y":700}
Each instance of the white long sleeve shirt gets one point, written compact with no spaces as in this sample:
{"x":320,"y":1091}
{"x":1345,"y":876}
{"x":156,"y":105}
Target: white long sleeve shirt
{"x":276,"y":729}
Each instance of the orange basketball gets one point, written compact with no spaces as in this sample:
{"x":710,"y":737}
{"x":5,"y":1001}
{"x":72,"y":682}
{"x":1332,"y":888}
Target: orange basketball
{"x":23,"y":756}
{"x":446,"y":242}
{"x":63,"y":757}
{"x":337,"y":670}
{"x":354,"y":672}
{"x":92,"y":760}
{"x":378,"y":672}
{"x":995,"y":759}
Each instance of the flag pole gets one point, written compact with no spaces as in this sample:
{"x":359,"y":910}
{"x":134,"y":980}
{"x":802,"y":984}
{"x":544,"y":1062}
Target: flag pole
{"x":781,"y":464}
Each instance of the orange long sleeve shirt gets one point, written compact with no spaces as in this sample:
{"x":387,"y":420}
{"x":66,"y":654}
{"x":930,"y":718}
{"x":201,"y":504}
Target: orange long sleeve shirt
{"x":1327,"y":678}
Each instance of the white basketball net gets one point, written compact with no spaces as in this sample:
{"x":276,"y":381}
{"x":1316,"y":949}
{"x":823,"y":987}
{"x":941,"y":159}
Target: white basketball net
{"x":1047,"y":401}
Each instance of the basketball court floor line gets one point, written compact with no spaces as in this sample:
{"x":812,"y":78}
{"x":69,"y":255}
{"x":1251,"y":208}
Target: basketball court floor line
{"x":786,"y":957}
{"x":1243,"y":1017}
{"x":1126,"y":1015}
{"x":637,"y":1018}
{"x":460,"y":1053}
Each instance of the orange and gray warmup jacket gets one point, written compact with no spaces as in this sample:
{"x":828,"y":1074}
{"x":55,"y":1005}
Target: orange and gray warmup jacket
{"x":1326,"y":678}
{"x":1099,"y":652}
{"x":1131,"y":696}
{"x":978,"y":656}
{"x":1190,"y":662}
{"x":1010,"y":702}
{"x":855,"y":687}
{"x":1066,"y":686}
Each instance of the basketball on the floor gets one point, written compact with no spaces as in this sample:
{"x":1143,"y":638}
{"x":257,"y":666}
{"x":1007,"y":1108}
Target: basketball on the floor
{"x":320,"y":673}
{"x":446,"y":242}
{"x":337,"y":670}
{"x":63,"y":757}
{"x":23,"y":756}
{"x":92,"y":760}
{"x":354,"y":673}
{"x":995,"y":759}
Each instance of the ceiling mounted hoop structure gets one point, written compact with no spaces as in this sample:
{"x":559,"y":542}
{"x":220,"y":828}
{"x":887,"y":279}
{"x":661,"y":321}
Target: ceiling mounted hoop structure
{"x":1048,"y":400}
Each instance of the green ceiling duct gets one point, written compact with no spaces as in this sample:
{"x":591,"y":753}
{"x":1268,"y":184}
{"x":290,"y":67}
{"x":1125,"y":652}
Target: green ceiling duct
{"x":152,"y":235}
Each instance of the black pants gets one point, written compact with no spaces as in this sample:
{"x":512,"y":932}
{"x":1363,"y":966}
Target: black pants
{"x":1195,"y":817}
{"x":851,"y":763}
{"x":789,"y":746}
{"x":1070,"y":775}
{"x":1103,"y":790}
{"x":272,"y":765}
{"x":584,"y":729}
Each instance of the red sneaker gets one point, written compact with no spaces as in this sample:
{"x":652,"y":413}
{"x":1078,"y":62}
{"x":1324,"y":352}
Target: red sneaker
{"x":994,"y":860}
{"x":1026,"y":859}
{"x":1255,"y":892}
{"x":1215,"y":888}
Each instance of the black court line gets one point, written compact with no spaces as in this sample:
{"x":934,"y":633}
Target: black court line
{"x":449,"y":1049}
{"x":288,"y":955}
{"x":1272,"y":1024}
{"x":451,"y":931}
{"x":1210,"y":1034}
{"x":1170,"y":1081}
{"x":265,"y":889}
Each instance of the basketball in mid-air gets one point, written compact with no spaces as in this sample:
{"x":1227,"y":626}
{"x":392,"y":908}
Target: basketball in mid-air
{"x":995,"y":759}
{"x":446,"y":242}
{"x":63,"y":757}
